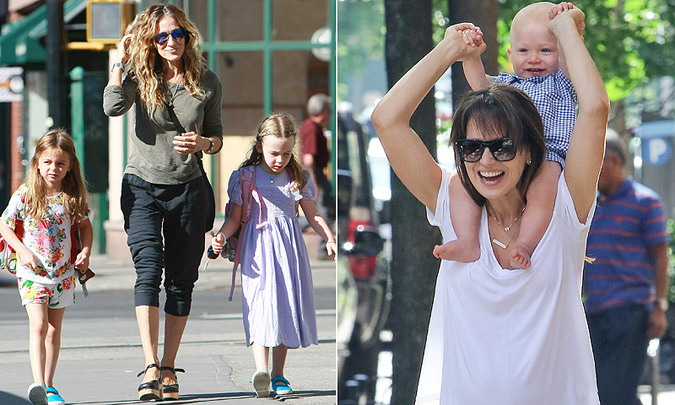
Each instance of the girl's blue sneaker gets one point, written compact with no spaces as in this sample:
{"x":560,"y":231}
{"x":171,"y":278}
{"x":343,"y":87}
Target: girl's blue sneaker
{"x":53,"y":397}
{"x":281,"y":386}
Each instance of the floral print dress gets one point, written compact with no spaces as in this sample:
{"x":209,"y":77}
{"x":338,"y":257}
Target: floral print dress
{"x":49,"y":238}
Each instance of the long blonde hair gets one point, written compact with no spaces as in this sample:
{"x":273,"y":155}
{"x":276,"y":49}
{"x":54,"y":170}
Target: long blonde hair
{"x":146,"y":63}
{"x":281,"y":125}
{"x":74,"y":189}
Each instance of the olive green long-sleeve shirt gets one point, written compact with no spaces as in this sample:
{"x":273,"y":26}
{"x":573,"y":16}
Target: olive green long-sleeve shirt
{"x":154,"y":159}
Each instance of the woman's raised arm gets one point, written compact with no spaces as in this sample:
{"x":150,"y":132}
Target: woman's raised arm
{"x":408,"y":156}
{"x":587,"y":144}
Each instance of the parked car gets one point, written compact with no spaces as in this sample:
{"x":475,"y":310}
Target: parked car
{"x":363,"y":267}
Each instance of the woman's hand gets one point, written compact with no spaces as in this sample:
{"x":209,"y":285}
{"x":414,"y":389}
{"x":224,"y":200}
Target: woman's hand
{"x":190,"y":142}
{"x":123,"y":49}
{"x":465,"y":41}
{"x":218,"y":243}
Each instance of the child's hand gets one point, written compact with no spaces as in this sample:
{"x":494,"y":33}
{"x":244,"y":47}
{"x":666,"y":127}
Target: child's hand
{"x":218,"y":243}
{"x":82,"y":261}
{"x":473,"y":37}
{"x":27,"y":258}
{"x":331,"y":250}
{"x":567,"y":9}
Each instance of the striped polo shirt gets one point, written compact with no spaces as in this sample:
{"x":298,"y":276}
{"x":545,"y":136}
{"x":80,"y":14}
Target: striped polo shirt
{"x":623,"y":229}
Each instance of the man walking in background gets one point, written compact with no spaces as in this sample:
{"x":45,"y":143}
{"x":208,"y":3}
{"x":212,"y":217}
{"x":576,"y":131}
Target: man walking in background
{"x":315,"y":154}
{"x":626,"y":286}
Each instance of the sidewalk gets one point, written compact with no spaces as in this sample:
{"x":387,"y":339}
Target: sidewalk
{"x":101,"y":354}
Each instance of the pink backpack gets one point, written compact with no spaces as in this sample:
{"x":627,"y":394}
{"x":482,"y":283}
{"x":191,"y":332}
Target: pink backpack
{"x":233,"y":245}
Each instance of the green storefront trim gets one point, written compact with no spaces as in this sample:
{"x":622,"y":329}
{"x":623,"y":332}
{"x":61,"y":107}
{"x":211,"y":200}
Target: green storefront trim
{"x":20,"y":41}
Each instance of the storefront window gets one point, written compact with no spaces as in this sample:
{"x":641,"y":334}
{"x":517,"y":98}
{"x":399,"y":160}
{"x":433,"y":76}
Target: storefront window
{"x":297,"y":20}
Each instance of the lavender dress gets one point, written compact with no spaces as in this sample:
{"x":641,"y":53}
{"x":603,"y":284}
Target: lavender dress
{"x":276,"y":279}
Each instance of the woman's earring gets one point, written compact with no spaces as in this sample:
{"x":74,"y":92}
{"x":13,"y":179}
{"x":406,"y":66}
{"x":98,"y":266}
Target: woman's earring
{"x":529,"y":162}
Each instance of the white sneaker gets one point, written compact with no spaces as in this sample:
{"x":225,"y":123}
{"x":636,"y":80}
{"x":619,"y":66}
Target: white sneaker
{"x":37,"y":394}
{"x":261,"y":383}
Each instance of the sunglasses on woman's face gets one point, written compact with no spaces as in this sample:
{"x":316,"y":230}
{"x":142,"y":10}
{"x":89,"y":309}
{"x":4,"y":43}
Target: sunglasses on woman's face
{"x":471,"y":150}
{"x":162,"y":38}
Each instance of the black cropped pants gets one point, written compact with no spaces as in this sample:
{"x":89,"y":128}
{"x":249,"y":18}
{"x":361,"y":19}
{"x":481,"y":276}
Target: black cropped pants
{"x":165,"y":231}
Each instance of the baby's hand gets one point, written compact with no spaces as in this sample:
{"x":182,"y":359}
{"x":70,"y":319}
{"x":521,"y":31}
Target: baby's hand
{"x":82,"y":261}
{"x":473,"y":37}
{"x":330,"y":250}
{"x":467,"y":39}
{"x":570,"y":10}
{"x":218,"y":243}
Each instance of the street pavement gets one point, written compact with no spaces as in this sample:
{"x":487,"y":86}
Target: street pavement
{"x":101,"y":352}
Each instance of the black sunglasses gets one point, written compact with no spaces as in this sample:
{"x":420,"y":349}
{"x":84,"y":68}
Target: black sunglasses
{"x":471,"y":150}
{"x":177,"y":34}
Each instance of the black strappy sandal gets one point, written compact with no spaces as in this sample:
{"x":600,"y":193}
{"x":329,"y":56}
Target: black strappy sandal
{"x":171,"y":391}
{"x":151,"y":390}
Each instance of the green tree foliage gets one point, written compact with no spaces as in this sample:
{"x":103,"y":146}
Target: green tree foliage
{"x":631,"y":41}
{"x":361,"y":32}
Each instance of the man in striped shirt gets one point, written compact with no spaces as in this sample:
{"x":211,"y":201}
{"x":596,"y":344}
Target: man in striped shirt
{"x":626,"y":287}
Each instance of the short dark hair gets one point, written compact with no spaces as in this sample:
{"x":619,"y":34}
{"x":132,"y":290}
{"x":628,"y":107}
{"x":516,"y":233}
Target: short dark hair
{"x":503,"y":111}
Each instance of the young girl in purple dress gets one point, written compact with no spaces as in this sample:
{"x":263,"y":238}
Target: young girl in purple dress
{"x":278,"y":303}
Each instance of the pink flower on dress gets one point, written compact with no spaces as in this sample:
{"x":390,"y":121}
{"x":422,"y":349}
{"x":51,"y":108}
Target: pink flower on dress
{"x":43,"y":240}
{"x":67,"y":283}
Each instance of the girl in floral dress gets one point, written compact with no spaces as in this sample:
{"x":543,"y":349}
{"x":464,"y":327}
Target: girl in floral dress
{"x":278,"y":302}
{"x":38,"y":224}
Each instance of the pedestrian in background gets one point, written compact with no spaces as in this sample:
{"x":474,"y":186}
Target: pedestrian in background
{"x":163,"y":191}
{"x":39,"y":223}
{"x":626,"y":285}
{"x":276,"y":278}
{"x":315,"y":153}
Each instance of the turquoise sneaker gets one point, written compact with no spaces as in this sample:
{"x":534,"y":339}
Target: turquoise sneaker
{"x":281,"y":386}
{"x":53,"y":397}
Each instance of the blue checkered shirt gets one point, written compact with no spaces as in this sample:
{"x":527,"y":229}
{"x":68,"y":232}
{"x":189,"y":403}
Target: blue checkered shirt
{"x":556,"y":100}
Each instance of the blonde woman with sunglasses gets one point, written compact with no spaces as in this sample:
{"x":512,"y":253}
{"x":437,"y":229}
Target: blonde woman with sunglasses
{"x":160,"y":67}
{"x":499,"y":335}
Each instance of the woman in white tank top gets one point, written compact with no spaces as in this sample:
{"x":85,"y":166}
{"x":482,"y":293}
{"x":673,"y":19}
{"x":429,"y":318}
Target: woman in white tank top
{"x":501,"y":336}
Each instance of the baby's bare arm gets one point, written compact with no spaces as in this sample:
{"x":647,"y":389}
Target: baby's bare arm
{"x":578,"y":18}
{"x":474,"y":71}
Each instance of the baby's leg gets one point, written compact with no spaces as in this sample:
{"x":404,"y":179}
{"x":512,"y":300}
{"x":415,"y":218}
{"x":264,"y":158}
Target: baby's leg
{"x":465,"y":215}
{"x":540,"y":200}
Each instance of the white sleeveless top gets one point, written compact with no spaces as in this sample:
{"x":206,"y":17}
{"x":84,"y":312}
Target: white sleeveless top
{"x":516,"y":337}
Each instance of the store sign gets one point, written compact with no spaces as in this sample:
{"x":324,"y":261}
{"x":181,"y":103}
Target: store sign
{"x":11,"y":84}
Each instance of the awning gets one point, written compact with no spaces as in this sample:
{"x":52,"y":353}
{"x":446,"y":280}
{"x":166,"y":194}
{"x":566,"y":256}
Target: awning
{"x":20,"y":41}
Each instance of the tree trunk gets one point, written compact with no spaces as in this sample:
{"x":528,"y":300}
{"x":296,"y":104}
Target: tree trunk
{"x":482,"y":13}
{"x":413,"y":268}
